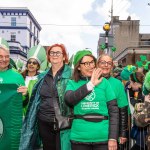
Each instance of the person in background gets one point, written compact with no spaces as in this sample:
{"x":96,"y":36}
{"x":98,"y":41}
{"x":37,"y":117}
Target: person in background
{"x":35,"y":57}
{"x":41,"y":107}
{"x":15,"y":82}
{"x":116,"y":73}
{"x":105,"y":63}
{"x":96,"y":116}
{"x":136,"y":97}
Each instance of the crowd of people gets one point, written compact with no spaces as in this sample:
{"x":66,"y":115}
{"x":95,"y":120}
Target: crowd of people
{"x":93,"y":105}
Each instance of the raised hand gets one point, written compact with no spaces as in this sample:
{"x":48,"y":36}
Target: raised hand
{"x":96,"y":76}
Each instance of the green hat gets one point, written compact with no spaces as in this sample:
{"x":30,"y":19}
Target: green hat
{"x":79,"y":55}
{"x":37,"y":52}
{"x":13,"y":64}
{"x":44,"y":65}
{"x":127,"y":71}
{"x":19,"y":64}
{"x":4,"y":44}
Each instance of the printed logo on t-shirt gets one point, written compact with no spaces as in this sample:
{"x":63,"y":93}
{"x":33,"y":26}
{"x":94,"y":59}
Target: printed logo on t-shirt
{"x":91,"y":96}
{"x":90,"y":105}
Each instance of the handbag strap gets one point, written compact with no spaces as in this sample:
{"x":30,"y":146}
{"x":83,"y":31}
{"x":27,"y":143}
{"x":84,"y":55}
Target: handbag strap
{"x":56,"y":107}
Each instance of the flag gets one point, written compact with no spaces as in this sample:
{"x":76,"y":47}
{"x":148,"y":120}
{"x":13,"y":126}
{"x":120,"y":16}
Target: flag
{"x":10,"y":117}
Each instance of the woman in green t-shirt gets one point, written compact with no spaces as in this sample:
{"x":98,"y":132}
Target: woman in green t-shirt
{"x":95,"y":124}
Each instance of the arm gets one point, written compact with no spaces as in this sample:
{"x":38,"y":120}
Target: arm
{"x":123,"y":124}
{"x":113,"y":119}
{"x":113,"y":124}
{"x":74,"y":97}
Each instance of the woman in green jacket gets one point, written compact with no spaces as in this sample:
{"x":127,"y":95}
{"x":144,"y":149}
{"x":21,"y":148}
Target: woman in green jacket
{"x":49,"y":88}
{"x":95,"y":124}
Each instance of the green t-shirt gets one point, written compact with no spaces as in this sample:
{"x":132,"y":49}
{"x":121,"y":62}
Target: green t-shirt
{"x":11,"y":76}
{"x":95,"y":102}
{"x":119,"y":91}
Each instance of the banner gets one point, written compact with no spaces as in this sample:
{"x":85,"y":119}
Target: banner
{"x":10,"y":117}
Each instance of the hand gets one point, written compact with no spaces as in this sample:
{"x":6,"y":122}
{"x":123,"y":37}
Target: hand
{"x":22,"y":89}
{"x":112,"y":145}
{"x":95,"y":79}
{"x":122,"y":140}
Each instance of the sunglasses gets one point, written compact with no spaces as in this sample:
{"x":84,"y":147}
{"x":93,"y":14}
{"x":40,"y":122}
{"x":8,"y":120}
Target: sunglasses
{"x":33,"y":62}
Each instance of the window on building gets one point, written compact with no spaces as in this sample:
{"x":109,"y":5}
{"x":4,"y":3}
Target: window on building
{"x":37,"y":34}
{"x":31,"y":26}
{"x":30,"y":40}
{"x":34,"y":30}
{"x":13,"y":37}
{"x":13,"y":21}
{"x":34,"y":42}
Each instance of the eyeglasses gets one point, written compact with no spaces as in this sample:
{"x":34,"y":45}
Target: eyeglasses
{"x":109,"y":63}
{"x":52,"y":53}
{"x":87,"y":64}
{"x":33,"y":62}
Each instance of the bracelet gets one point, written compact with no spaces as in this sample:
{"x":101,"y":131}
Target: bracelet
{"x":112,"y":139}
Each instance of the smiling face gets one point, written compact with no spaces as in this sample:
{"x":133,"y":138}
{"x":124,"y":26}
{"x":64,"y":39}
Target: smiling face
{"x":4,"y":59}
{"x":106,"y":64}
{"x":32,"y":65}
{"x":87,"y":66}
{"x":56,"y":56}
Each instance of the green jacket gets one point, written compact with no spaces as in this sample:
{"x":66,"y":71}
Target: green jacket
{"x":29,"y":130}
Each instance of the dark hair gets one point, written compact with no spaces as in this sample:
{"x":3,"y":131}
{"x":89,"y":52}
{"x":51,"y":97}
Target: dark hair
{"x":137,"y":77}
{"x":76,"y":72}
{"x":64,"y":51}
{"x":25,"y":72}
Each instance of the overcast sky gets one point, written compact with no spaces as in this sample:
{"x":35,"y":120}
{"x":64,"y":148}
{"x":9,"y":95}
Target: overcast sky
{"x":77,"y":23}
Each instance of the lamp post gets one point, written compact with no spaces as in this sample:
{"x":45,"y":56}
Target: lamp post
{"x":106,"y":28}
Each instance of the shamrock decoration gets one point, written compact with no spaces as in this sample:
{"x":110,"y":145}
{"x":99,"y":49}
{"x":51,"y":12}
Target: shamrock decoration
{"x":103,"y":46}
{"x":142,"y":62}
{"x":113,"y":49}
{"x":146,"y":66}
{"x":143,"y":58}
{"x":139,"y":64}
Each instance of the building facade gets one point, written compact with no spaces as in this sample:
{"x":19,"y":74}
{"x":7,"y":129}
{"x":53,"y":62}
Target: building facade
{"x":129,"y":43}
{"x":22,"y":31}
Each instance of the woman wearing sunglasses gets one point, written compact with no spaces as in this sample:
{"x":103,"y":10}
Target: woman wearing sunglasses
{"x":35,"y":57}
{"x":95,"y":124}
{"x":31,"y":71}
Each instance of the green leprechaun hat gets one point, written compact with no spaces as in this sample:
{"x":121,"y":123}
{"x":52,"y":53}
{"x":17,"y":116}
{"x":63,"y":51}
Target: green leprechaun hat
{"x":4,"y":44}
{"x":127,"y":71}
{"x":37,"y":52}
